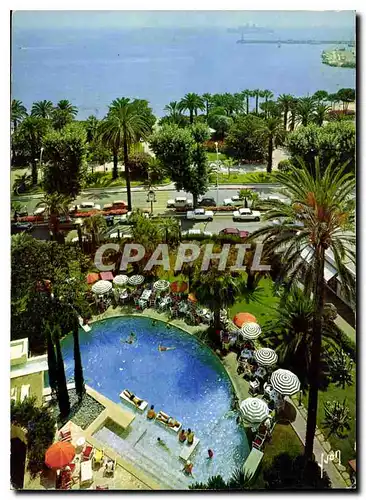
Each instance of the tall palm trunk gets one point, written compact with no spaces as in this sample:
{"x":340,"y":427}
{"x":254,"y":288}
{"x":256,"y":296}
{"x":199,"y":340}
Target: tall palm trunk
{"x":51,"y":361}
{"x":191,"y":116}
{"x":34,"y":172}
{"x":292,"y":123}
{"x":217,"y":317}
{"x":62,"y":394}
{"x":78,"y":367}
{"x":247,"y":105}
{"x":270,"y":154}
{"x":256,"y":103}
{"x":285,"y":115}
{"x":115,"y":164}
{"x":318,"y":297}
{"x":127,"y":172}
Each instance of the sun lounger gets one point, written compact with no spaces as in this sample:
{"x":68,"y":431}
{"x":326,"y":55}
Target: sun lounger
{"x":98,"y":457}
{"x":87,"y":453}
{"x":65,"y":435}
{"x":86,"y":472}
{"x":162,"y":418}
{"x":142,"y":406}
{"x":110,"y":467}
{"x":105,"y":487}
{"x":86,"y":328}
{"x":189,"y":449}
{"x":24,"y":393}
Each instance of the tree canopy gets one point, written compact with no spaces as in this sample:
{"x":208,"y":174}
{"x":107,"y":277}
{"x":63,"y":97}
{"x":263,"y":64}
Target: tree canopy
{"x":243,"y":140}
{"x":65,"y":156}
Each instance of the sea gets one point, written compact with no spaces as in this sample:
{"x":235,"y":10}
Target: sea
{"x":91,"y":67}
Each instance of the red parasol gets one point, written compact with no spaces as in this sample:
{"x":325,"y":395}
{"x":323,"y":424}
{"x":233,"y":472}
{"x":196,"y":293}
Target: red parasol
{"x":241,"y":318}
{"x":59,"y":454}
{"x":92,"y":278}
{"x":179,"y":287}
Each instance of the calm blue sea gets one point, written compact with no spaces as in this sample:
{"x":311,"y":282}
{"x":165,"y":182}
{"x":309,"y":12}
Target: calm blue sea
{"x":93,"y":67}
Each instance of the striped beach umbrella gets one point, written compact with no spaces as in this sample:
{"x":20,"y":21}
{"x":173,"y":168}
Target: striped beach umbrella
{"x":120,"y":279}
{"x":137,"y":279}
{"x":251,"y":330}
{"x":101,"y":287}
{"x":161,"y":285}
{"x":254,"y":410}
{"x":285,"y":382}
{"x":265,"y":356}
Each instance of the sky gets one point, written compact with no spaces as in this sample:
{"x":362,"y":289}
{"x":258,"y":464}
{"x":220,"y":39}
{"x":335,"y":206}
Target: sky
{"x":225,"y":19}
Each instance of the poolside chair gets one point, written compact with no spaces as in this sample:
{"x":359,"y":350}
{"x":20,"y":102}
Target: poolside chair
{"x":98,"y":457}
{"x":258,"y":441}
{"x":65,"y":435}
{"x":87,"y":453}
{"x":110,"y":467}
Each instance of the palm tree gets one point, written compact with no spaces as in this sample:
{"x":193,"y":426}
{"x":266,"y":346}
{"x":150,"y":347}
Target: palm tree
{"x":78,"y":367}
{"x":293,"y":113}
{"x":33,"y":130}
{"x":91,"y":125}
{"x":18,"y":112}
{"x":56,"y":205}
{"x":207,"y":98}
{"x":42,"y":109}
{"x":272,"y":131}
{"x":305,"y":110}
{"x":94,"y":227}
{"x":192,"y":102}
{"x":246,"y":95}
{"x":266,"y":94}
{"x":169,"y":228}
{"x":290,"y":334}
{"x":62,"y":392}
{"x":324,"y":203}
{"x":124,"y":126}
{"x":321,"y":95}
{"x":257,"y":94}
{"x":174,"y":112}
{"x":285,"y":101}
{"x":216,"y":290}
{"x":66,"y":105}
{"x":320,"y":112}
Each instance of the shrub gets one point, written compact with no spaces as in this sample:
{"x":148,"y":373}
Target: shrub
{"x":346,"y":344}
{"x":40,"y":425}
{"x":284,"y":165}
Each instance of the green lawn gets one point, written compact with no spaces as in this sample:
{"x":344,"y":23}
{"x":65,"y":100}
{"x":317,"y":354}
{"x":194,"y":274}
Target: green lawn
{"x":105,"y":179}
{"x":248,"y":178}
{"x":211,"y":157}
{"x":262,"y":304}
{"x":284,"y":440}
{"x":332,"y":393}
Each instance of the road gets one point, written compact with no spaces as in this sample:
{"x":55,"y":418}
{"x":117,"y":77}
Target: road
{"x":103,"y":196}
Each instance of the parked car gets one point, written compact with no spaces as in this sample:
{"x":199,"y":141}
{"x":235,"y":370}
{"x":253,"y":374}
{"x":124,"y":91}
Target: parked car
{"x":22,"y":212}
{"x":196,"y":232}
{"x":125,"y":218}
{"x":207,"y":202}
{"x":21,"y":227}
{"x":39,"y":211}
{"x":200,"y":214}
{"x":235,"y":232}
{"x":246,"y":214}
{"x":85,"y":205}
{"x":180,"y":202}
{"x":234,"y":201}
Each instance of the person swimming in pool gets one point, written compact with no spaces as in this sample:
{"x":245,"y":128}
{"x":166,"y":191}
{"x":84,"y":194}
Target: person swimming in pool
{"x":161,"y":348}
{"x":130,"y":340}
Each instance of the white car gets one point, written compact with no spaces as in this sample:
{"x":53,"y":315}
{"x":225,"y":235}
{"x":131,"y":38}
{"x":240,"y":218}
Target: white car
{"x":200,"y":214}
{"x":234,"y":201}
{"x":196,"y":232}
{"x":246,"y":214}
{"x":86,"y":205}
{"x":125,"y":218}
{"x":180,"y":202}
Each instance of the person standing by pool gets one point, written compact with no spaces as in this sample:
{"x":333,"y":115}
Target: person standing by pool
{"x":151,"y":413}
{"x":162,"y":443}
{"x":210,"y":454}
{"x":182,"y":436}
{"x":190,"y":436}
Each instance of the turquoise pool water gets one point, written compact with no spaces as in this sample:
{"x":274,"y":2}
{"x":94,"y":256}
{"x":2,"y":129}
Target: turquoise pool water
{"x":189,"y":383}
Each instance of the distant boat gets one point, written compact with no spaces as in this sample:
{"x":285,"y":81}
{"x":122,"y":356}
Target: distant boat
{"x":279,"y":45}
{"x":241,"y":40}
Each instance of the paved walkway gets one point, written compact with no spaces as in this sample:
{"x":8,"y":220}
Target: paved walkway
{"x":338,"y":477}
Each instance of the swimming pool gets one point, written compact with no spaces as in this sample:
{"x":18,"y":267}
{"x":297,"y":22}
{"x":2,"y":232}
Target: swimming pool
{"x":189,"y":383}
